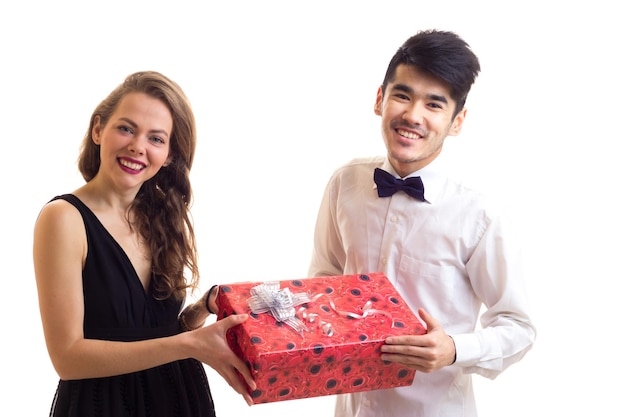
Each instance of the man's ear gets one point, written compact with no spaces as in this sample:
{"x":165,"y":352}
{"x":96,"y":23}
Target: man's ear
{"x":378,"y":106}
{"x":457,"y":123}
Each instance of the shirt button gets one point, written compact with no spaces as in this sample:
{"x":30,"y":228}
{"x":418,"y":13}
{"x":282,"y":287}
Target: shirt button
{"x":384,"y":261}
{"x":367,"y":403}
{"x":394,"y":219}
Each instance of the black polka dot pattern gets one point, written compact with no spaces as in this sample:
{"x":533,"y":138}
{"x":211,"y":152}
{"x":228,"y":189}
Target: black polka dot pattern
{"x":286,"y":365}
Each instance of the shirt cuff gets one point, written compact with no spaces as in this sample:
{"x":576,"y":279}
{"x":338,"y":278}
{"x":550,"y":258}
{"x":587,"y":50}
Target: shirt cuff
{"x":468,"y":349}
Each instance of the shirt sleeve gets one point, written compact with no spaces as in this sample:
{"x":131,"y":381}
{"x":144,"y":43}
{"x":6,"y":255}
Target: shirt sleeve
{"x":328,"y":257}
{"x":506,"y":332}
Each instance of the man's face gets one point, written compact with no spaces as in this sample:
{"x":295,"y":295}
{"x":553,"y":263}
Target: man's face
{"x":417,"y":115}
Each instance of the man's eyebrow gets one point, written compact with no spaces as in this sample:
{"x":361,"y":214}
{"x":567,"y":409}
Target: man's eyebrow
{"x":403,"y":88}
{"x":406,"y":89}
{"x":437,"y":97}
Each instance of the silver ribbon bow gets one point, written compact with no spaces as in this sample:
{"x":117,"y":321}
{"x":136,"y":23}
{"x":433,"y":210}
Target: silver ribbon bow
{"x":281,"y":304}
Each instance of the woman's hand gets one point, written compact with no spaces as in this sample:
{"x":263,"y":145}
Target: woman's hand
{"x":212,"y":348}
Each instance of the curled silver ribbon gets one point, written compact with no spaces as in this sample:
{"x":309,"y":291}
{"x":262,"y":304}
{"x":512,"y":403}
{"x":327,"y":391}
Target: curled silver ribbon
{"x":280,"y":303}
{"x":327,"y":328}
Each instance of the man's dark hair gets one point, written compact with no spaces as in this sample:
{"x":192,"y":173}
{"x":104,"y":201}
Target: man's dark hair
{"x":444,"y":55}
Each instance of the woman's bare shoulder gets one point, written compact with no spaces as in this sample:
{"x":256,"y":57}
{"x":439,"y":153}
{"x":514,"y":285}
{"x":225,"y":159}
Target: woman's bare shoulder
{"x":59,"y":216}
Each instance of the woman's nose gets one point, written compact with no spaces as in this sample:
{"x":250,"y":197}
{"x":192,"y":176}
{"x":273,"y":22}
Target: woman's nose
{"x":137,"y":145}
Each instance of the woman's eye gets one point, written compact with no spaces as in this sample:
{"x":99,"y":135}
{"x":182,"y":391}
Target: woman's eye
{"x":125,"y":129}
{"x":157,"y":139}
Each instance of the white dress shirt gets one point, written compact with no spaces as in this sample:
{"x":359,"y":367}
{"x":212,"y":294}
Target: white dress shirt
{"x":452,"y":256}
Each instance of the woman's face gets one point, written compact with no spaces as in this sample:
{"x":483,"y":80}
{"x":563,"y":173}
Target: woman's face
{"x":135,"y":142}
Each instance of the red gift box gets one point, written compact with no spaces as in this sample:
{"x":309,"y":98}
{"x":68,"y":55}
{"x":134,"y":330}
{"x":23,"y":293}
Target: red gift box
{"x":328,"y":341}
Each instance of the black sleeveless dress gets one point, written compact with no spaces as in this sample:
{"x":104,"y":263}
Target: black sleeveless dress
{"x":117,"y":308}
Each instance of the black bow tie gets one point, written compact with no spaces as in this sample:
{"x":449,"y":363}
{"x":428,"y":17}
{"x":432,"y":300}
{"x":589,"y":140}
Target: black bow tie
{"x":388,"y":185}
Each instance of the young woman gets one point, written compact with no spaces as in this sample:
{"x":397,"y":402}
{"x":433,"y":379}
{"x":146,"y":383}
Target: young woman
{"x":115,"y":259}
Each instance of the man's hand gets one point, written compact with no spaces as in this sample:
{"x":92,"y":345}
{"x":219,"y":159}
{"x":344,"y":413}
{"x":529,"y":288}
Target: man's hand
{"x":425,"y":353}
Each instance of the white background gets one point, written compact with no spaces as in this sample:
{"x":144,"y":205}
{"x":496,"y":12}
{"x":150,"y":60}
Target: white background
{"x":283,"y":93}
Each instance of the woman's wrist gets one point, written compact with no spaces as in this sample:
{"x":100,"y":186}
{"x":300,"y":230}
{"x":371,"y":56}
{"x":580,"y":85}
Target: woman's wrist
{"x":193,"y":316}
{"x":208,"y":299}
{"x":183,"y":323}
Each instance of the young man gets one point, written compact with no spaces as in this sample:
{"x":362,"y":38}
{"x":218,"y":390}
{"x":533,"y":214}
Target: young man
{"x":444,"y":246}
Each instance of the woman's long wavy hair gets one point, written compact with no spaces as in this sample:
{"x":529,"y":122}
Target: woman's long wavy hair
{"x":160,"y":211}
